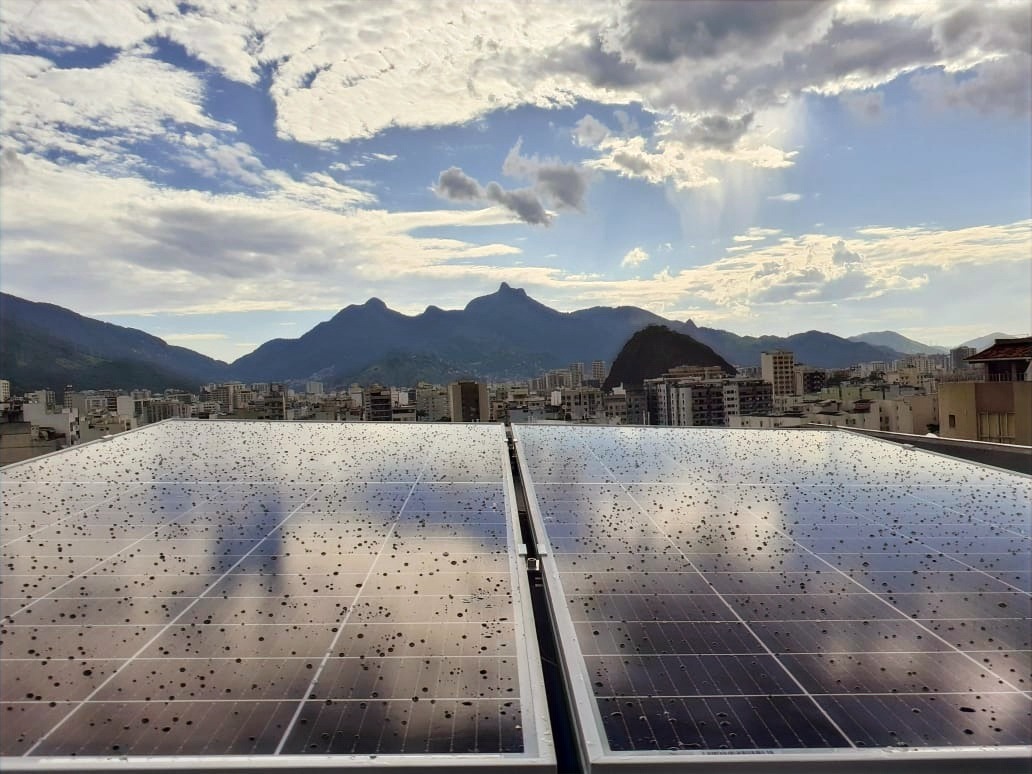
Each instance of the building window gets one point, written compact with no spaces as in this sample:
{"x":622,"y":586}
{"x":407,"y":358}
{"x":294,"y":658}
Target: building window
{"x":953,"y":420}
{"x":997,"y":428}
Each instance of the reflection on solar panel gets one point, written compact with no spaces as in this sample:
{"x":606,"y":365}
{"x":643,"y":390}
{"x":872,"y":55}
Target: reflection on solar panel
{"x":795,"y":595}
{"x":273,"y":590}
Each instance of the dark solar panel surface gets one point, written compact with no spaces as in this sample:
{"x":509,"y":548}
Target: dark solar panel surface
{"x":253,"y":588}
{"x":747,"y":590}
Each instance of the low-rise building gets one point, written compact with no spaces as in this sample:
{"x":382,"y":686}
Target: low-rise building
{"x":995,"y":404}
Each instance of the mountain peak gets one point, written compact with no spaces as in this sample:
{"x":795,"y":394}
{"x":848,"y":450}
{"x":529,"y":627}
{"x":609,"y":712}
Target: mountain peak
{"x":505,"y":289}
{"x":374,"y":303}
{"x":506,"y":297}
{"x":656,"y":349}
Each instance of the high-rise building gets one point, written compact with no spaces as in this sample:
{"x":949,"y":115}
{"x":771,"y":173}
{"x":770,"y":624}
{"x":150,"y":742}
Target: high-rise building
{"x":225,"y":396}
{"x":557,"y":379}
{"x":776,"y":368}
{"x":958,"y":357}
{"x":377,"y":405}
{"x":807,"y":380}
{"x":43,"y":397}
{"x":747,"y":397}
{"x":581,"y":404}
{"x":5,"y":390}
{"x":313,"y":388}
{"x":598,"y":371}
{"x":468,"y":402}
{"x":677,"y":401}
{"x":576,"y":374}
{"x":431,"y":403}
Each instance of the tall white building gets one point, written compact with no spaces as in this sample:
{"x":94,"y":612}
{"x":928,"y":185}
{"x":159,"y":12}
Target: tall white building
{"x":5,"y":390}
{"x":776,"y":368}
{"x":598,"y":370}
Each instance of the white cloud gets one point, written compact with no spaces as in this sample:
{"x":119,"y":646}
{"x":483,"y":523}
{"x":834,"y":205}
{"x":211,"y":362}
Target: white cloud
{"x":208,"y":156}
{"x":756,"y":234}
{"x":689,"y":152}
{"x":341,"y":76}
{"x":131,"y":99}
{"x":785,"y":197}
{"x":634,"y":257}
{"x":589,"y":131}
{"x":189,"y":251}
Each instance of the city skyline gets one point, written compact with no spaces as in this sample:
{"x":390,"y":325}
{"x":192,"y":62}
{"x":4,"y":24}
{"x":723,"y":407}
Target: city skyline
{"x":222,"y":180}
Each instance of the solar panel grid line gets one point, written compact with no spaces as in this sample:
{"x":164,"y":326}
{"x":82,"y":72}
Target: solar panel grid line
{"x":901,"y":613}
{"x":343,"y":622}
{"x":985,"y":522}
{"x":63,"y":519}
{"x":730,"y":607}
{"x":852,"y":580}
{"x":976,"y":518}
{"x":50,"y":594}
{"x":969,"y":566}
{"x":150,"y":642}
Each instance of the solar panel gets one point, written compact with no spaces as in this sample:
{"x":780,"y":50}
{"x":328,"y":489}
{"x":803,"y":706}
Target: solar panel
{"x":783,"y":596}
{"x":278,"y":591}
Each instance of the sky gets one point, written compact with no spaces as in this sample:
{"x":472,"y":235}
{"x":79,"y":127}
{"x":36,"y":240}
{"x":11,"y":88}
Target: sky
{"x":222,"y":173}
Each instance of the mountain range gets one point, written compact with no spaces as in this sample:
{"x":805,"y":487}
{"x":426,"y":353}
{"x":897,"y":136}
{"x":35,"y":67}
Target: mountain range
{"x":503,"y":335}
{"x":898,"y":342}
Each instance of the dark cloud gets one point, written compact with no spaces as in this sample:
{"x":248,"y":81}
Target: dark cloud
{"x":599,"y":65}
{"x":455,"y":185}
{"x":716,"y":131}
{"x":663,"y":32}
{"x":635,"y":164}
{"x":860,"y":48}
{"x":523,"y":201}
{"x":1005,"y":28}
{"x":11,"y":166}
{"x":999,"y":86}
{"x":216,"y":243}
{"x":843,"y":256}
{"x":561,"y":185}
{"x":564,"y":185}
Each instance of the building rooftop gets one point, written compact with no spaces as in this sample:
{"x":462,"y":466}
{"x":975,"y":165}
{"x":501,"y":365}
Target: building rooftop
{"x":265,"y":595}
{"x":1005,"y":349}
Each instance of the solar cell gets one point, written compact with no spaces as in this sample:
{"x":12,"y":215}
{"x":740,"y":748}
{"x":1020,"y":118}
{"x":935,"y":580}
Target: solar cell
{"x":802,"y":595}
{"x":277,"y":590}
